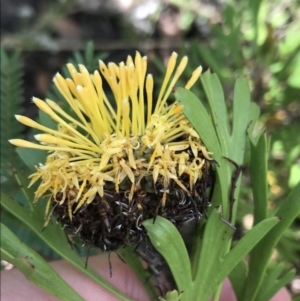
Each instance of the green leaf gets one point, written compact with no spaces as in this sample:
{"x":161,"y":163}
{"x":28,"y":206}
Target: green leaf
{"x":168,"y":242}
{"x":261,"y":254}
{"x":237,"y":141}
{"x":258,"y":172}
{"x":47,"y":121}
{"x":24,"y":196}
{"x":272,"y":283}
{"x":212,"y":279}
{"x":237,"y":278}
{"x":27,"y":236}
{"x":32,"y":157}
{"x":198,"y":116}
{"x":247,"y":242}
{"x":28,"y":193}
{"x":217,"y":235}
{"x":55,"y":237}
{"x":214,"y":92}
{"x":34,"y":267}
{"x":89,"y":53}
{"x":253,"y":117}
{"x":241,"y":106}
{"x":216,"y":136}
{"x":208,"y":252}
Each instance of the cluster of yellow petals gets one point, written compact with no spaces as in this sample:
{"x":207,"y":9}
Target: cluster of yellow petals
{"x":112,"y":140}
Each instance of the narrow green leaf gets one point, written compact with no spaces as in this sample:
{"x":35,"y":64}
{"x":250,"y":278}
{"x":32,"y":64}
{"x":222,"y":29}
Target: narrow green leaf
{"x":261,"y":254}
{"x":89,"y":53}
{"x":237,"y":278}
{"x":288,"y":211}
{"x":241,"y":104}
{"x":272,"y":283}
{"x":210,"y":280}
{"x":198,"y":116}
{"x":78,"y":58}
{"x":34,"y":267}
{"x":237,"y":142}
{"x":254,"y":112}
{"x":55,"y":237}
{"x":246,"y":244}
{"x":47,"y":121}
{"x":214,"y":93}
{"x":258,"y":172}
{"x":273,"y":274}
{"x":217,"y":236}
{"x":31,"y":157}
{"x":168,"y":242}
{"x":23,"y":183}
{"x":216,"y":136}
{"x":28,"y":237}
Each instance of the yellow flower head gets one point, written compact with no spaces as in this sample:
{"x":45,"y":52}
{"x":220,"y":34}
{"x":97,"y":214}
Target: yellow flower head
{"x":117,"y":150}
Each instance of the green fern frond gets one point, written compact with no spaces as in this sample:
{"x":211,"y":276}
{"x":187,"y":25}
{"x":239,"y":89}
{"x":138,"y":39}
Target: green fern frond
{"x":11,"y":104}
{"x":11,"y":100}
